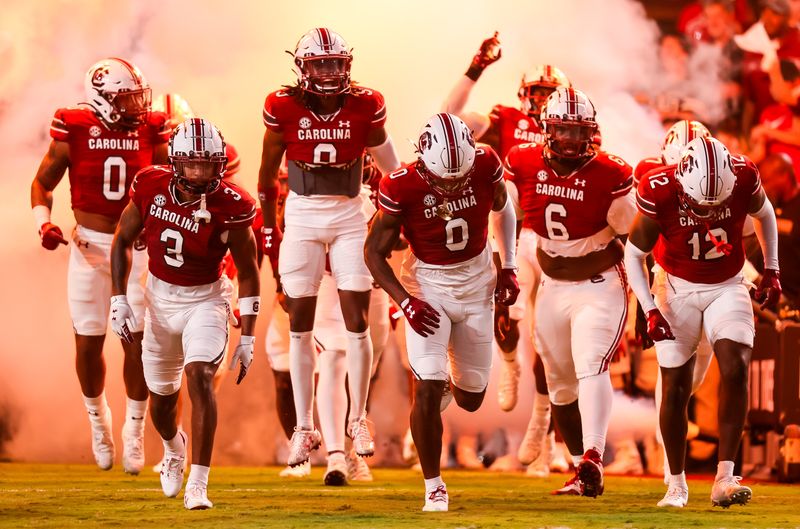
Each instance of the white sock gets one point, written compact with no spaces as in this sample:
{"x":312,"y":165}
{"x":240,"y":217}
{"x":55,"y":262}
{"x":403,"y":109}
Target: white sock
{"x":97,"y":408}
{"x":302,"y":361}
{"x":724,"y":470}
{"x":540,"y":415}
{"x":175,"y":446}
{"x":199,"y":474}
{"x":432,"y":483}
{"x":576,"y":460}
{"x":678,"y":480}
{"x":135,"y":412}
{"x":595,"y":395}
{"x":332,"y":399}
{"x":359,"y":369}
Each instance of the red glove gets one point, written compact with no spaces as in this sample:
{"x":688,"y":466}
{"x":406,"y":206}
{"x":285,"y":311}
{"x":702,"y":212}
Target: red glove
{"x":488,"y":53}
{"x":272,"y":244}
{"x":507,"y":288}
{"x":422,"y":317}
{"x":769,"y":289}
{"x":657,"y":327}
{"x":51,"y":236}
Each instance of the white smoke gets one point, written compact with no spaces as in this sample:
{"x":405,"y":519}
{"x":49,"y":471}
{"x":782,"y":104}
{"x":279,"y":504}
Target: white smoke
{"x":224,"y":59}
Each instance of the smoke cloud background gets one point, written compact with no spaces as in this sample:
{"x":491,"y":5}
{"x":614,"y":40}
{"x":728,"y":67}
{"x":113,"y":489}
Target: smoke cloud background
{"x":225,"y":60}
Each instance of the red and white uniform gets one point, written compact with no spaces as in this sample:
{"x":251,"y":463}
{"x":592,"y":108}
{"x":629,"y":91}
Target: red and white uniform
{"x":102,"y":164}
{"x":186,"y":299}
{"x":513,"y":128}
{"x":578,"y":323}
{"x":449,"y":265}
{"x":696,"y":286}
{"x":320,"y":224}
{"x":645,"y":166}
{"x":234,"y":162}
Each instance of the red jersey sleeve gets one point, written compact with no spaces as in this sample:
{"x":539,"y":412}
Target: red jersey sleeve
{"x":511,"y":163}
{"x":242,"y":211}
{"x":161,"y":131}
{"x":496,"y":166}
{"x":59,"y":130}
{"x":271,"y":112}
{"x":379,"y":116}
{"x":388,"y":195}
{"x":747,"y":173}
{"x":644,"y":167}
{"x":137,"y":191}
{"x":645,"y":198}
{"x":233,"y":160}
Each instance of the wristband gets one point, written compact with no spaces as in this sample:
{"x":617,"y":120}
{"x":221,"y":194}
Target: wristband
{"x":41,"y":215}
{"x":247,"y":340}
{"x":474,"y":72}
{"x":249,"y":306}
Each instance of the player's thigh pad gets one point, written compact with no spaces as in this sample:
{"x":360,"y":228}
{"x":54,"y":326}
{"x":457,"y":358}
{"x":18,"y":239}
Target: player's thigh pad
{"x":89,"y":281}
{"x":162,"y":352}
{"x":682,"y":310}
{"x":599,"y":313}
{"x":427,"y":356}
{"x":205,"y":334}
{"x":471,"y":354}
{"x":136,"y":281}
{"x":730,"y":315}
{"x":301,"y":262}
{"x":277,"y":342}
{"x":347,"y":260}
{"x":552,"y":340}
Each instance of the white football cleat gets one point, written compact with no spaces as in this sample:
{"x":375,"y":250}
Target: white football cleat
{"x":540,"y":467}
{"x":533,"y":442}
{"x":303,"y":470}
{"x":728,"y":491}
{"x":676,"y":496}
{"x":172,"y":469}
{"x":133,"y":447}
{"x":195,"y":497}
{"x":336,"y":473}
{"x":436,"y":499}
{"x":508,"y":387}
{"x":573,"y":487}
{"x":103,"y":441}
{"x":358,"y":431}
{"x":558,"y":458}
{"x":357,"y":468}
{"x":627,"y":461}
{"x":302,"y":444}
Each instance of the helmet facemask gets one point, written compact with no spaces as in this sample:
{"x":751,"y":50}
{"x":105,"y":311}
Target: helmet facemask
{"x":533,"y":97}
{"x":569,"y":141}
{"x":445,"y":186}
{"x":196,"y":175}
{"x":326,"y":74}
{"x":132,"y":106}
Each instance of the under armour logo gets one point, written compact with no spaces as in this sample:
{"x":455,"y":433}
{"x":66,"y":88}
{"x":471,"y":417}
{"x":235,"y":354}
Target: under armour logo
{"x":81,"y":244}
{"x":579,"y":182}
{"x":410,"y":312}
{"x":344,"y":124}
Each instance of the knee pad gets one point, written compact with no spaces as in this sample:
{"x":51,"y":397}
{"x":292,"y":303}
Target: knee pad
{"x":562,"y":394}
{"x":354,"y":282}
{"x":429,"y":367}
{"x":471,"y":380}
{"x":163,"y":388}
{"x":300,"y":287}
{"x":735,"y":330}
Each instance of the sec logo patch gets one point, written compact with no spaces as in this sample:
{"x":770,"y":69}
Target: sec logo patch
{"x":160,"y":200}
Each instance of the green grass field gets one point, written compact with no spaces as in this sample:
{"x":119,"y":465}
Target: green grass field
{"x":81,"y":495}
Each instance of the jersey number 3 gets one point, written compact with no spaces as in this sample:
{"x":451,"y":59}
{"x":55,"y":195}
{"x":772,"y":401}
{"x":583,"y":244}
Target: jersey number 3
{"x":174,"y":247}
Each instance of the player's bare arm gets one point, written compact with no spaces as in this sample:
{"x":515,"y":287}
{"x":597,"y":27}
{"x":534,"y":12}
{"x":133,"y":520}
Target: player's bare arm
{"x":128,"y":230}
{"x":51,"y":171}
{"x":272,"y":151}
{"x":242,"y":244}
{"x":384,"y":235}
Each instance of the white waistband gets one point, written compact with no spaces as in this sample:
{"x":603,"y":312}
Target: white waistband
{"x":168,"y":291}
{"x":97,"y":237}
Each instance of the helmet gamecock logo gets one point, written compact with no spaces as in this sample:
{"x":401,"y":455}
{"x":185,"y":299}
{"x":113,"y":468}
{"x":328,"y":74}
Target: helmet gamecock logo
{"x":99,"y":76}
{"x":425,"y":141}
{"x":160,"y":200}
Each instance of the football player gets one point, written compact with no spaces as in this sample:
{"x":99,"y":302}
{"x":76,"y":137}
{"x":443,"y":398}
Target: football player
{"x":191,"y":218}
{"x":691,"y":216}
{"x":102,"y":143}
{"x":324,"y":124}
{"x":443,"y":203}
{"x":502,"y":129}
{"x":578,"y":201}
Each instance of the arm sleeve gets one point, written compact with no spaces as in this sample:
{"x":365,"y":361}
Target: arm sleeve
{"x":385,"y":156}
{"x":766,"y":226}
{"x":636,"y":267}
{"x":504,"y":230}
{"x":621,"y":213}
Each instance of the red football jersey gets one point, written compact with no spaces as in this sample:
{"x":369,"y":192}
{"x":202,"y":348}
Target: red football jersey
{"x":566,"y":208}
{"x":233,"y":161}
{"x":182,"y":251}
{"x":335,"y":139}
{"x":684,"y":248}
{"x":514,"y":127}
{"x":433,"y":239}
{"x":102,"y":162}
{"x":645,"y":166}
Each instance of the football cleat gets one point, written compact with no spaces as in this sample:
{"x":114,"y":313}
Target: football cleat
{"x":676,"y":496}
{"x":357,"y":468}
{"x":195,"y":497}
{"x":358,"y":431}
{"x":728,"y":491}
{"x":508,"y":388}
{"x":558,"y":459}
{"x":302,"y":444}
{"x":590,"y":472}
{"x":573,"y":487}
{"x":627,"y":461}
{"x":133,"y":447}
{"x":103,"y":442}
{"x":336,"y":474}
{"x":436,"y":499}
{"x":540,"y":467}
{"x":172,"y":469}
{"x":303,"y":470}
{"x":531,"y":446}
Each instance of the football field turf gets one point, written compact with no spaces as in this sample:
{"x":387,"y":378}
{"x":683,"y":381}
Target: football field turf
{"x":82,"y":495}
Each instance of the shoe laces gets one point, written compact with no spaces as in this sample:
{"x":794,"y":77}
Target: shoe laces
{"x":360,"y":428}
{"x":676,"y":492}
{"x":730,"y":481}
{"x":438,"y":494}
{"x":302,"y":438}
{"x":174,"y":466}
